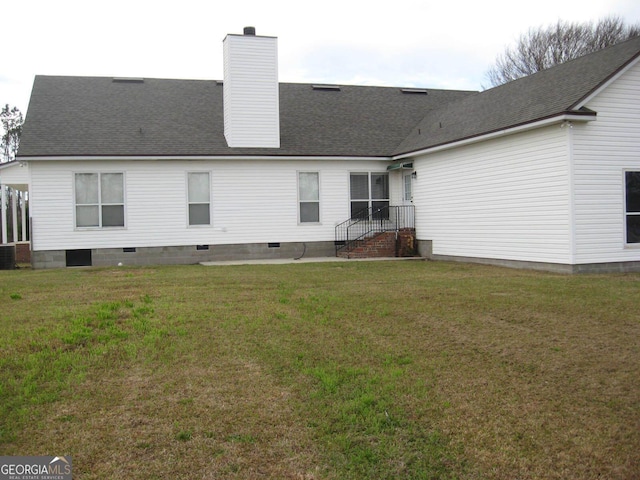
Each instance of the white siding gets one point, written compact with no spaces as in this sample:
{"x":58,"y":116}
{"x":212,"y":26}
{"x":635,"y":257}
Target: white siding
{"x":602,"y":150}
{"x":252,"y":202}
{"x":251,"y":96}
{"x":506,"y":198}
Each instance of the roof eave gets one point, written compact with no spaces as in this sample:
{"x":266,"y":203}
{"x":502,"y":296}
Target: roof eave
{"x":9,"y":164}
{"x":48,"y":158}
{"x":584,"y":115}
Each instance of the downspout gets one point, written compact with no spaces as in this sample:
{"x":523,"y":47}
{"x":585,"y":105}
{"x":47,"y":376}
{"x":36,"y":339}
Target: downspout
{"x":397,"y":232}
{"x":14,"y":213}
{"x":3,"y":212}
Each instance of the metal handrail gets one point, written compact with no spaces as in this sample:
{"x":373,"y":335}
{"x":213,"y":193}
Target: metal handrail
{"x":371,"y":221}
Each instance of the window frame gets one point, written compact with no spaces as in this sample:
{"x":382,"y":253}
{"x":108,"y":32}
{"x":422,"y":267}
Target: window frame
{"x":300,"y":201}
{"x":626,"y":212}
{"x":407,"y":193}
{"x":370,"y":200}
{"x":189,"y":203}
{"x":100,"y":203}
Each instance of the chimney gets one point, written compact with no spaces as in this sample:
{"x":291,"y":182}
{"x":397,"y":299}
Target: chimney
{"x":251,"y":96}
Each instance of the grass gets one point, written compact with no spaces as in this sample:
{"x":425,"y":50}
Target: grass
{"x":322,"y":371}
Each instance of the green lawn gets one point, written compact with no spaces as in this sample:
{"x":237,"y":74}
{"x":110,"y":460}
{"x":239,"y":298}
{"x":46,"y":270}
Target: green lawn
{"x":363,"y":370}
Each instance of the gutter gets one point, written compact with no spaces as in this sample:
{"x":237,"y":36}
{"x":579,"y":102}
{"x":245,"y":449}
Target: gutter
{"x":157,"y":158}
{"x":564,"y":117}
{"x":9,"y":164}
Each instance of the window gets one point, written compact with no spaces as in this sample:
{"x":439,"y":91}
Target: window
{"x":408,"y":184}
{"x":632,"y":206}
{"x":309,"y":197}
{"x":359,"y":183}
{"x":369,"y":191}
{"x":99,"y":200}
{"x":199,"y":194}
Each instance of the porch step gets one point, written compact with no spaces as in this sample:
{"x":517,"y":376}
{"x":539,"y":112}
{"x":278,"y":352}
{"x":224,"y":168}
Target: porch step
{"x":383,"y":244}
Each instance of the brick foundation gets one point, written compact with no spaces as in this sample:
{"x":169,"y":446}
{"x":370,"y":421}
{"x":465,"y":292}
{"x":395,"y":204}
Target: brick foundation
{"x":384,"y":245}
{"x":407,"y":243}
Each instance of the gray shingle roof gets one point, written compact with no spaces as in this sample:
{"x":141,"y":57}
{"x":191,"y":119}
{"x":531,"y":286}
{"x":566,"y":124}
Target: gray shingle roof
{"x":79,"y":116}
{"x":526,"y":100}
{"x":95,"y":116}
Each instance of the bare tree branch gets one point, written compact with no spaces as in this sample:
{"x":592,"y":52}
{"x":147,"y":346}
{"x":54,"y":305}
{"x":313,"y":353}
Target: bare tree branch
{"x":11,"y":120}
{"x":542,"y":48}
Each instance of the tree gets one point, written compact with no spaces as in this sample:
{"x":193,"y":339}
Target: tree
{"x":12,"y":120}
{"x":542,"y":48}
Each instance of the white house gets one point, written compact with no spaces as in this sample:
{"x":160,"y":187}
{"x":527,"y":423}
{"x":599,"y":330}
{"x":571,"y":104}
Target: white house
{"x":543,"y":172}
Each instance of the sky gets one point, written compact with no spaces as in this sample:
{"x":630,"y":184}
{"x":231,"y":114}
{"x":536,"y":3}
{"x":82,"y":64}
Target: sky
{"x":446,"y":44}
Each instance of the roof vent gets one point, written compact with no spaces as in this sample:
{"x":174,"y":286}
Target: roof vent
{"x":422,"y":91}
{"x":326,"y":87}
{"x":128,"y":80}
{"x":250,"y":31}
